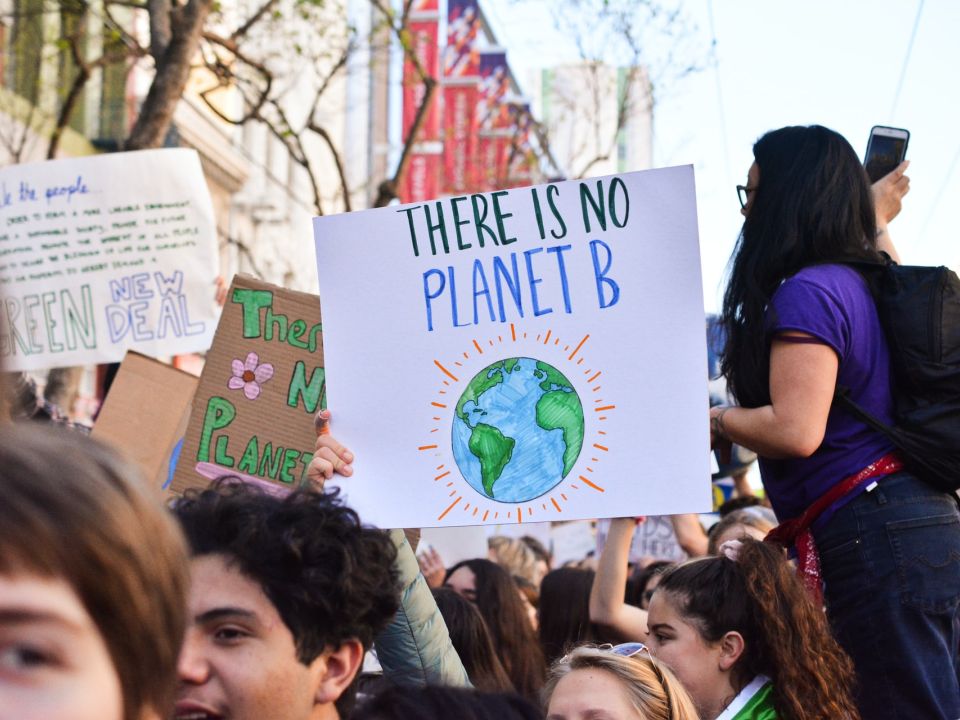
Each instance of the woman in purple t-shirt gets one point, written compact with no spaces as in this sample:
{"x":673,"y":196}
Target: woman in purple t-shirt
{"x":884,"y":545}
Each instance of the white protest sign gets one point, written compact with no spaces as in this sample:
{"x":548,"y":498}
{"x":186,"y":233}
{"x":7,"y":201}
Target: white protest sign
{"x":572,"y":541}
{"x":654,"y":538}
{"x":538,"y":530}
{"x":104,"y":254}
{"x":520,"y":356}
{"x":455,"y":543}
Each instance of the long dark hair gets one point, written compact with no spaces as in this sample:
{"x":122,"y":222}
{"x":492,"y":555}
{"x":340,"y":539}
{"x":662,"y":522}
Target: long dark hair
{"x":565,"y":612}
{"x":498,"y":600}
{"x":471,"y":639}
{"x":812,"y":205}
{"x":637,"y":586}
{"x":786,"y":636}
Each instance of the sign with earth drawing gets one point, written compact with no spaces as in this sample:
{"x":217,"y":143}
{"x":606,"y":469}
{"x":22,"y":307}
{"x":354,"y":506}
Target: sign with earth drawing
{"x":523,"y":355}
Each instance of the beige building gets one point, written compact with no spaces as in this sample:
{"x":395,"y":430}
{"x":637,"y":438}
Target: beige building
{"x":263,"y":198}
{"x":598,"y":118}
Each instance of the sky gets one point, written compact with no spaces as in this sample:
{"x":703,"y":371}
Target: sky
{"x":840,"y":63}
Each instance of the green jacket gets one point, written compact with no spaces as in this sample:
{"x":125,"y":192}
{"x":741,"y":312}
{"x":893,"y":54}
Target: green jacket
{"x":754,"y":702}
{"x":415,"y":648}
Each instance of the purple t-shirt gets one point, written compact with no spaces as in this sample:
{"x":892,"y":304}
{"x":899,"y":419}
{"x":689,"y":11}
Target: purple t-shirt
{"x":833,"y":303}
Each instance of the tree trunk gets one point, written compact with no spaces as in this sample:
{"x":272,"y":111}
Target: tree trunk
{"x":172,"y":72}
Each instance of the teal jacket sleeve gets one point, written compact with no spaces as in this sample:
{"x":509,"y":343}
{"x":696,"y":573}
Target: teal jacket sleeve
{"x":415,"y":648}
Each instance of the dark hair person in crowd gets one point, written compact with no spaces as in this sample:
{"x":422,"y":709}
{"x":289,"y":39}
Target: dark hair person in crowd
{"x":445,"y":703}
{"x":93,"y":578}
{"x":617,"y":683}
{"x":471,"y":638}
{"x":286,"y":596}
{"x":530,"y":597}
{"x":744,"y":631}
{"x":565,"y":612}
{"x":495,"y":594}
{"x":644,"y":581}
{"x":288,"y":591}
{"x":799,"y":324}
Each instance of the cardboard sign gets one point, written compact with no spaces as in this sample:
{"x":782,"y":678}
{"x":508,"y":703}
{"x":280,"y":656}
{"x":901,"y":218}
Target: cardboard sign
{"x":528,"y":355}
{"x":145,"y":414}
{"x":103,"y":254}
{"x":262,"y":384}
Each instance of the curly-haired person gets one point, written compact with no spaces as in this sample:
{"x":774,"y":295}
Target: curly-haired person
{"x":747,"y":640}
{"x":286,"y":595}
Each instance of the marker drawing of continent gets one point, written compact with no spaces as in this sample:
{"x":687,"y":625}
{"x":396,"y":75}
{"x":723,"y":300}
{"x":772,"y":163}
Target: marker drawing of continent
{"x":494,"y":450}
{"x":560,"y":408}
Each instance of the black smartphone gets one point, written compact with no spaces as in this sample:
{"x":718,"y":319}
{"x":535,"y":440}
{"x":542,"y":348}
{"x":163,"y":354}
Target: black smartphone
{"x":886,"y":149}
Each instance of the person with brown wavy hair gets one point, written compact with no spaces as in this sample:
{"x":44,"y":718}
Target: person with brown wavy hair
{"x":746,"y":639}
{"x":471,"y":638}
{"x":496,"y":596}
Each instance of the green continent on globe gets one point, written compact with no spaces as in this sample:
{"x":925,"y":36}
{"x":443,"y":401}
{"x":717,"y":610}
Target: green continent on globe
{"x":482,"y":382}
{"x":494,"y":450}
{"x":562,"y":409}
{"x":551,"y":376}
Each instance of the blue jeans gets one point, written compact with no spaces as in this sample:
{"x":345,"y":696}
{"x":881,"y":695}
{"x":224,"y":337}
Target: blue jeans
{"x":891,"y":569}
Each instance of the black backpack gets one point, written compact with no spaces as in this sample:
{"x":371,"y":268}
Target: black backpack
{"x":919,"y":308}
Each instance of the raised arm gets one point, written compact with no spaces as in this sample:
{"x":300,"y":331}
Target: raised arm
{"x":415,"y":648}
{"x":690,"y":534}
{"x":607,"y":604}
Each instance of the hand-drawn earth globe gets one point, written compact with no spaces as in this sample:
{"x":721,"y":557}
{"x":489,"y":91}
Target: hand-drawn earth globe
{"x":517,"y":429}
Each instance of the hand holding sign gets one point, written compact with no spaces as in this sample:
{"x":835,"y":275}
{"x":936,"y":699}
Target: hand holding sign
{"x":329,"y":456}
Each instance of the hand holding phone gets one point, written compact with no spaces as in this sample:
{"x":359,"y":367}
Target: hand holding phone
{"x":888,"y":194}
{"x":886,"y":149}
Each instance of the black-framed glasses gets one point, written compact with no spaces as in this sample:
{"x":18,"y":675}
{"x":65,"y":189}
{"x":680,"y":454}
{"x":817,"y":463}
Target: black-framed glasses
{"x":743,"y":194}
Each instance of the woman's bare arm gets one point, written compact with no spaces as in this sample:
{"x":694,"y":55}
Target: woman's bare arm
{"x":607,"y":604}
{"x":802,"y":381}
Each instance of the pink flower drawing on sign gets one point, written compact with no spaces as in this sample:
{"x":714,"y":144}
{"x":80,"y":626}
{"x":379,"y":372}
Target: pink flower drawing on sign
{"x":250,"y":375}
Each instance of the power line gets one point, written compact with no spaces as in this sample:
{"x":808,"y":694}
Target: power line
{"x":716,"y":75}
{"x":906,"y":61}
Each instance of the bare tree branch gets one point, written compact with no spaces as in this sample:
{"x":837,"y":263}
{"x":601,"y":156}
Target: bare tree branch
{"x":160,"y":27}
{"x":338,"y":161}
{"x":387,"y":190}
{"x":84,"y":71}
{"x":171,"y":76}
{"x":253,"y":19}
{"x":76,"y":87}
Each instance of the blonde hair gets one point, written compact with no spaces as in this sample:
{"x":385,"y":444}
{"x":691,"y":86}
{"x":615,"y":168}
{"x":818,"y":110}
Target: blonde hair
{"x":653,"y":690}
{"x":516,"y":557}
{"x":745,"y":517}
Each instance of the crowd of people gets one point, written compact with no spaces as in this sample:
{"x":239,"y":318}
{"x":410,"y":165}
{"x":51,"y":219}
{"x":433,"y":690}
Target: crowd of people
{"x":233,"y":603}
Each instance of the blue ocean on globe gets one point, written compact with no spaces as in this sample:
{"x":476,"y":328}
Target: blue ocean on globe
{"x":536,"y":463}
